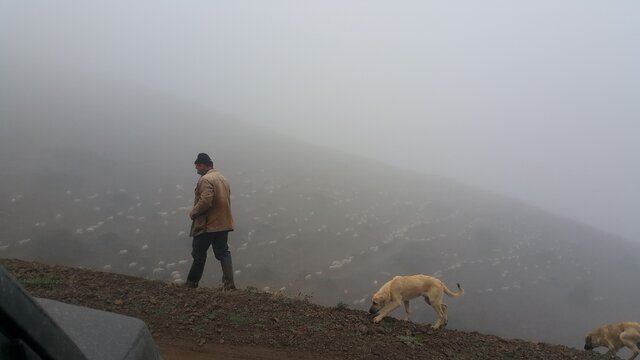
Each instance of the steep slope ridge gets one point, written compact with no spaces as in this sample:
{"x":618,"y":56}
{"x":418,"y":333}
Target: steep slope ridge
{"x":249,"y":324}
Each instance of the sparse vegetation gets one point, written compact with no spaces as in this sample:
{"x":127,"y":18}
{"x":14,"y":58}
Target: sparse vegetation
{"x":342,"y":305}
{"x":239,"y":319}
{"x":161,"y":309}
{"x":215,"y":314}
{"x":410,"y":341}
{"x":301,"y":296}
{"x":44,"y":280}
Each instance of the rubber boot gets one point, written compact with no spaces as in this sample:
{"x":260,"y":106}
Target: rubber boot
{"x":191,"y":284}
{"x":227,"y":274}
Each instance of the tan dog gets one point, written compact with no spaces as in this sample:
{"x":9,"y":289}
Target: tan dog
{"x":401,"y":289}
{"x":615,"y":337}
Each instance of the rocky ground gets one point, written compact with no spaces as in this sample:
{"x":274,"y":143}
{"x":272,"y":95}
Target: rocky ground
{"x":207,"y":323}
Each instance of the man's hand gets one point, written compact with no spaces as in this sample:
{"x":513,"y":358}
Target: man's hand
{"x":192,"y":215}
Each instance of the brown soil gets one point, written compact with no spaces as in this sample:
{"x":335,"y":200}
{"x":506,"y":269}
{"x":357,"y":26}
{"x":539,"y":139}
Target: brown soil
{"x":207,"y":323}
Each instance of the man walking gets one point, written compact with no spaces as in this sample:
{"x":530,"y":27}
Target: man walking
{"x":212,"y":221}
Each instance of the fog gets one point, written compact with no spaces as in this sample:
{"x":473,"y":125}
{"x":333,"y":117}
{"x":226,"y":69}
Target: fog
{"x":103,"y":108}
{"x":535,"y":100}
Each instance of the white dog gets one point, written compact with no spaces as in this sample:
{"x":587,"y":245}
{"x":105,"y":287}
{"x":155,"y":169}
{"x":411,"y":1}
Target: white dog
{"x":399,"y":290}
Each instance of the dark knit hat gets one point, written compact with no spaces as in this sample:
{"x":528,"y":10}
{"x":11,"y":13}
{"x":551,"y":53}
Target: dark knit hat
{"x":203,"y":159}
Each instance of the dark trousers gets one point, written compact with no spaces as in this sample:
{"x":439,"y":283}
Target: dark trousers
{"x":200,"y":245}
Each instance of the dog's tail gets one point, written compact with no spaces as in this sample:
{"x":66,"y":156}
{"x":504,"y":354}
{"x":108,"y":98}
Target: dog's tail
{"x":459,"y":293}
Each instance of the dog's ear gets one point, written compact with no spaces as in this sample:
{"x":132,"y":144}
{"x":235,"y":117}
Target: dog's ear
{"x":377,"y":300}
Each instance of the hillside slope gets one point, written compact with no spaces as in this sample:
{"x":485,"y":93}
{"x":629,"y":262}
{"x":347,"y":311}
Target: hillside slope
{"x":99,"y":175}
{"x":252,"y":324}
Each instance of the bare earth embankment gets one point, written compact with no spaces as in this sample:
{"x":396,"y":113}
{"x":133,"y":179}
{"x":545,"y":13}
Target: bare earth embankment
{"x":250,"y":324}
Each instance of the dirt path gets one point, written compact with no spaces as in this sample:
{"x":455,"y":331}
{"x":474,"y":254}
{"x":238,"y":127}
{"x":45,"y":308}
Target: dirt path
{"x":184,"y":351}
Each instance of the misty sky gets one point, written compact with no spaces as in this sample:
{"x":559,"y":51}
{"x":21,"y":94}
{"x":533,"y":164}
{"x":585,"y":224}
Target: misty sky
{"x":538,"y":100}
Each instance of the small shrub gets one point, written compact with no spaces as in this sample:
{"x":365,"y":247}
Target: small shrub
{"x":239,"y":319}
{"x":342,"y":305}
{"x":286,"y":300}
{"x":161,"y":310}
{"x":47,"y":280}
{"x":300,"y":296}
{"x":278,"y":296}
{"x":214,"y":314}
{"x":410,"y":341}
